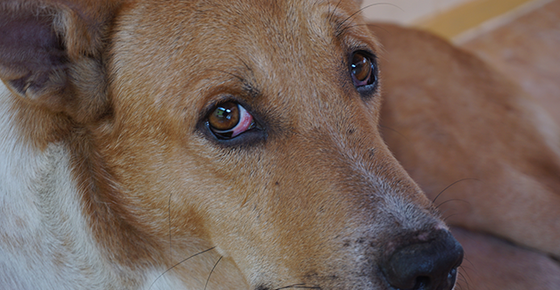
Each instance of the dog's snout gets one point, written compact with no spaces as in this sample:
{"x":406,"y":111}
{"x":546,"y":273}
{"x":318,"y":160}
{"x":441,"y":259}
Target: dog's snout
{"x":429,"y":265}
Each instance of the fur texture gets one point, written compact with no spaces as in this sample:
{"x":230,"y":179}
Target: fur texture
{"x":112,"y":178}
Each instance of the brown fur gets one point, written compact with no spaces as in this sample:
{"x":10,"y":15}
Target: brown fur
{"x":316,"y":200}
{"x":127,"y":100}
{"x":459,"y":127}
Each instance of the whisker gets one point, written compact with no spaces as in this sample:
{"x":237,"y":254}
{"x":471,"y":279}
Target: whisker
{"x":384,"y":3}
{"x":470,"y":263}
{"x":445,"y":219}
{"x":443,"y":214}
{"x":453,"y":199}
{"x":378,"y":26}
{"x":212,"y":271}
{"x":449,"y":186}
{"x":459,"y":286}
{"x":393,"y":130}
{"x":332,"y":13}
{"x":174,"y":266}
{"x":339,"y":26}
{"x":465,"y":279}
{"x":358,"y":25}
{"x":464,"y":275}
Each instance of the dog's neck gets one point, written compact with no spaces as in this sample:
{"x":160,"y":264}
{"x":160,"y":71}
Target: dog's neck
{"x":38,"y":203}
{"x":44,"y":228}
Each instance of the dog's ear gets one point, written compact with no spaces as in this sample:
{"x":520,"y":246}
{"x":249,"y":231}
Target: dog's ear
{"x":51,"y":54}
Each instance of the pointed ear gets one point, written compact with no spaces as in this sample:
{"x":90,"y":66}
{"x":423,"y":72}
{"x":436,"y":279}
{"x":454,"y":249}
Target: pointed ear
{"x":51,"y":54}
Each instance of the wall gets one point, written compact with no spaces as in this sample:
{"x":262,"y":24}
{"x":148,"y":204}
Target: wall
{"x":406,"y":11}
{"x":451,"y":19}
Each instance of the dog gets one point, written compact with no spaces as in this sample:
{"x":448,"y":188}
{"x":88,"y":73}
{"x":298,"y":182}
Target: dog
{"x":208,"y":145}
{"x":485,"y":151}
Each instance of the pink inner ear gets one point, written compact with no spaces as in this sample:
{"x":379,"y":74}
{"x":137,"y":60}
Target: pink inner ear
{"x":29,"y":50}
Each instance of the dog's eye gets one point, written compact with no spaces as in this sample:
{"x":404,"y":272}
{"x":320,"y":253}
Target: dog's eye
{"x":362,"y":69}
{"x":229,"y":120}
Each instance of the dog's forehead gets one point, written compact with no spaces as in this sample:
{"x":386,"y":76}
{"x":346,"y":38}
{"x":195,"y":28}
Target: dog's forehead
{"x":176,"y":48}
{"x":271,"y":25}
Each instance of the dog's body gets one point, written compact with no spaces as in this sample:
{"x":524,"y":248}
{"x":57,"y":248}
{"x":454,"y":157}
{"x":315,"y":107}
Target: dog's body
{"x":511,"y":154}
{"x":116,"y":172}
{"x":487,"y":153}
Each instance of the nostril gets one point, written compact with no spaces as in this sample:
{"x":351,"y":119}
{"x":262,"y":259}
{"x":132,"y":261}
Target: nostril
{"x":425,"y":282}
{"x":428,"y":265}
{"x":422,"y":282}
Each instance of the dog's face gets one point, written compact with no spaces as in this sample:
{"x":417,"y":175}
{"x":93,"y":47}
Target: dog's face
{"x":250,"y":128}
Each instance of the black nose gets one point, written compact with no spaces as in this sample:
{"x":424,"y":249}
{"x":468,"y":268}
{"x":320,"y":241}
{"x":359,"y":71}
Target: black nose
{"x":429,"y":265}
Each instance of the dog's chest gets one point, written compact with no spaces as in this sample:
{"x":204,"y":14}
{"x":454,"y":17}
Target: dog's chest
{"x":43,"y":235}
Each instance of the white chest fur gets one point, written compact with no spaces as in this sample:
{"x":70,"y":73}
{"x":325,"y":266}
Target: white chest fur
{"x":45,"y":238}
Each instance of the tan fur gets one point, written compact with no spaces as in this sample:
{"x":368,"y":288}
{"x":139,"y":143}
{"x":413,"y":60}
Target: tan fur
{"x":459,"y":127}
{"x":144,"y":197}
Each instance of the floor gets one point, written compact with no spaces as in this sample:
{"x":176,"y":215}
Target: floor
{"x":527,"y":49}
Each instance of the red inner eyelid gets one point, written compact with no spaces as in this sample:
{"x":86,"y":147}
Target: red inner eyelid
{"x":245,"y":121}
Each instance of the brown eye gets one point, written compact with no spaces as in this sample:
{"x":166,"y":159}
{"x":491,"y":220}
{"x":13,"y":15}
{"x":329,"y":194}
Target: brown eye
{"x":224,"y":117}
{"x":229,"y":120}
{"x":362,"y":69}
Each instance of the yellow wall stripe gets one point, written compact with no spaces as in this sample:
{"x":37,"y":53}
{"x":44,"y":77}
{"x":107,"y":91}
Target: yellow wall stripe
{"x":469,"y":15}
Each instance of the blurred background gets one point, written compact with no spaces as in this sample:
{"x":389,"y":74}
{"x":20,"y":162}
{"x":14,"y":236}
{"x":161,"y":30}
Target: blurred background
{"x":520,"y":38}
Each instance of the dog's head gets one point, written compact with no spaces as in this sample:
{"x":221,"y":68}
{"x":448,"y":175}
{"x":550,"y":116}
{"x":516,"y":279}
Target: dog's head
{"x":241,"y":131}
